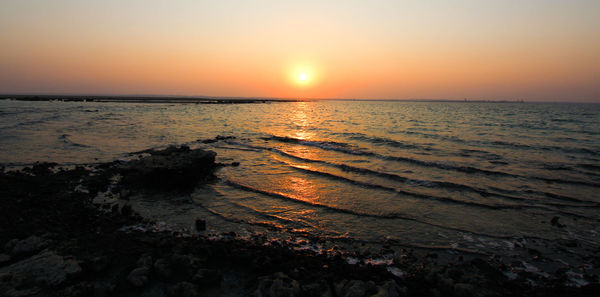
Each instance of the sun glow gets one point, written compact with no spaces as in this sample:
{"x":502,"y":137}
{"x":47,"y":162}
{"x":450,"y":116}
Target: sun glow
{"x":302,"y":76}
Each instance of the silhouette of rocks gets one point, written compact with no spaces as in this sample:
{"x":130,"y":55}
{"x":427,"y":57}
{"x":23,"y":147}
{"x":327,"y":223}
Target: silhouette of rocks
{"x":171,"y":169}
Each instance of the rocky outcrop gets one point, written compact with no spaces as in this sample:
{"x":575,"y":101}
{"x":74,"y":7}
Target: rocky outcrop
{"x":44,"y":270}
{"x":171,"y":169}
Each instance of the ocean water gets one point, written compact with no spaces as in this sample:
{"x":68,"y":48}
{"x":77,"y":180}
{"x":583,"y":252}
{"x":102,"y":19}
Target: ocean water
{"x":479,"y":177}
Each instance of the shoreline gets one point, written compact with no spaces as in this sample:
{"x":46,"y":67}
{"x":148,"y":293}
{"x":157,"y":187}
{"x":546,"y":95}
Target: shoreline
{"x":144,"y":99}
{"x":56,"y":241}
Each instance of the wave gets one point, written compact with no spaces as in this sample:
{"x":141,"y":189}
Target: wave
{"x":504,"y":194}
{"x":349,"y":149}
{"x":282,"y":196}
{"x":66,"y":140}
{"x":502,"y":143}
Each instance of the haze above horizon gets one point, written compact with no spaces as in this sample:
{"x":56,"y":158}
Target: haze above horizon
{"x":488,"y":50}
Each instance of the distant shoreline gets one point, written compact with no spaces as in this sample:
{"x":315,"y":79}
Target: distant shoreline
{"x":237,"y":100}
{"x":141,"y":99}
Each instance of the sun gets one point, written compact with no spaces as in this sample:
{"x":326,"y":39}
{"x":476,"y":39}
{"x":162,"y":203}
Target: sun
{"x":303,"y":76}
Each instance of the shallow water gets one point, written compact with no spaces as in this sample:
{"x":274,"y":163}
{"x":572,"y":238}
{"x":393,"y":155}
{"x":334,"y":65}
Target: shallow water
{"x":474,"y":176}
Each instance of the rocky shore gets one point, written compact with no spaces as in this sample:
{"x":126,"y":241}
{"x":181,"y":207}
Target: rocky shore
{"x":55,"y":241}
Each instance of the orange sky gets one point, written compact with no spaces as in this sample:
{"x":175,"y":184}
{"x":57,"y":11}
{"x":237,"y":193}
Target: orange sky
{"x":533,"y":50}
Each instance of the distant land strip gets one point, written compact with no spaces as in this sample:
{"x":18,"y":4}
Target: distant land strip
{"x":143,"y":99}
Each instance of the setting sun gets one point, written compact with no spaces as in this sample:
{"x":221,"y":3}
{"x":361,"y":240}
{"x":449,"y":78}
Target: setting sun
{"x":302,"y":76}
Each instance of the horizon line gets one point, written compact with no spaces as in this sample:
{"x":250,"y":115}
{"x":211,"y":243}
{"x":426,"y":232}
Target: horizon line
{"x":5,"y":96}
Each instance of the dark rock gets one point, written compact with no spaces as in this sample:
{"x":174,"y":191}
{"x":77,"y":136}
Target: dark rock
{"x":126,"y":210}
{"x":555,"y":222}
{"x":172,"y":169}
{"x":207,"y":277}
{"x":163,"y":269}
{"x":98,"y":264}
{"x":10,"y":245}
{"x":351,"y":288}
{"x":390,"y":289}
{"x":235,"y":164}
{"x":464,"y":290}
{"x":568,"y":242}
{"x":183,"y":289}
{"x":277,"y":285}
{"x":145,"y":261}
{"x":124,"y":194}
{"x":47,"y":269}
{"x":29,"y":246}
{"x":4,"y":258}
{"x":200,"y":225}
{"x":139,"y":276}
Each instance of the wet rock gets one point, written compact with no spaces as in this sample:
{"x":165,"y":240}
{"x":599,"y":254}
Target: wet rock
{"x":29,"y":246}
{"x":47,"y":269}
{"x":139,"y":276}
{"x":183,"y":289}
{"x":200,"y":225}
{"x":172,"y":169}
{"x":277,"y":285}
{"x":555,"y":222}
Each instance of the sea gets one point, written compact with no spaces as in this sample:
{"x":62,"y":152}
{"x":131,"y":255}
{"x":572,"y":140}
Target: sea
{"x":475,"y":177}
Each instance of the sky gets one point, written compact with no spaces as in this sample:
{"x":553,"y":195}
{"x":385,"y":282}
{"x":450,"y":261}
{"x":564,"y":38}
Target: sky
{"x":491,"y":50}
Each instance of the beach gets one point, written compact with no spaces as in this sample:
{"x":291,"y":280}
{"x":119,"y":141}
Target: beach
{"x":57,"y":242}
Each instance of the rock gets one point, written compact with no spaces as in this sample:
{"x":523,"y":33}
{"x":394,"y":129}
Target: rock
{"x":103,"y":288}
{"x":126,"y":210}
{"x":351,"y":288}
{"x":200,"y":225}
{"x":163,"y":268}
{"x":98,"y":264}
{"x":4,"y":258}
{"x":183,"y":289}
{"x":277,"y":285}
{"x":390,"y":289}
{"x":145,"y":261}
{"x":568,"y":242}
{"x":556,"y":223}
{"x":10,"y":245}
{"x":207,"y":276}
{"x":172,"y":169}
{"x":47,"y":269}
{"x":139,"y":276}
{"x":464,"y":290}
{"x":124,"y":194}
{"x":29,"y":246}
